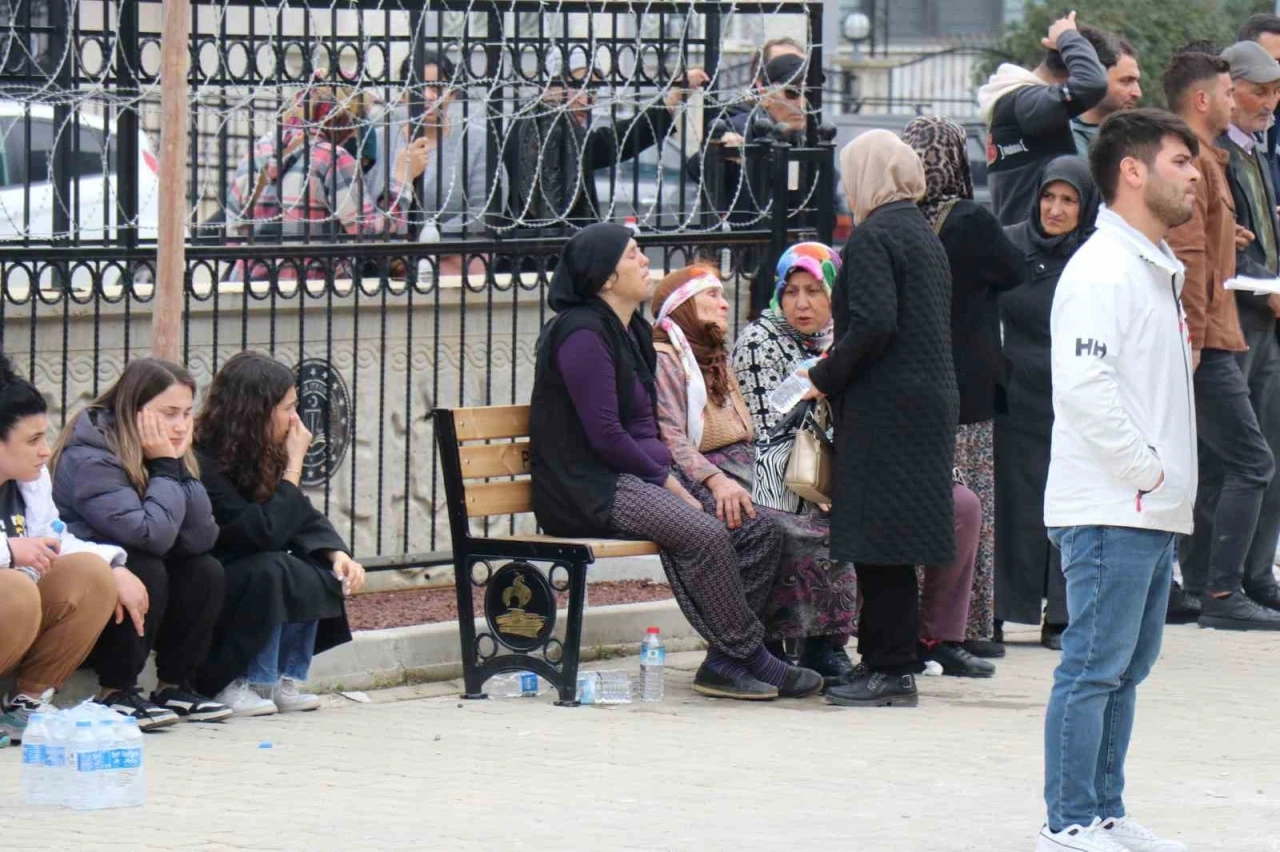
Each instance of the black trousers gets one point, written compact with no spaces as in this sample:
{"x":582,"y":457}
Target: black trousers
{"x":186,"y":595}
{"x":1236,"y":466}
{"x":1261,"y":368}
{"x":889,"y":620}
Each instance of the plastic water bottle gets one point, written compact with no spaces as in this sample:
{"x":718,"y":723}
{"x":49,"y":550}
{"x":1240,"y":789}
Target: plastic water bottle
{"x":133,"y":779}
{"x":58,"y":724}
{"x":653,"y":660}
{"x":615,"y":688}
{"x":786,"y":395}
{"x":611,"y":687}
{"x":513,"y":685}
{"x":108,"y":759}
{"x":40,"y":774}
{"x":85,"y":789}
{"x":588,"y":687}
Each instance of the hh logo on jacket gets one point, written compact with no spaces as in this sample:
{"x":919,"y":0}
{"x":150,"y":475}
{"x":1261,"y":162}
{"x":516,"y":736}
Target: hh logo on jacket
{"x":1090,"y":347}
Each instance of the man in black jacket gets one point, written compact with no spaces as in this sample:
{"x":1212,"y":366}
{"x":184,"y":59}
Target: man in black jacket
{"x":1124,"y":91}
{"x":557,"y":151}
{"x":1028,"y":115}
{"x":1257,"y":88}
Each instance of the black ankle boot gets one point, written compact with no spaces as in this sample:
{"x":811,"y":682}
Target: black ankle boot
{"x":822,"y":656}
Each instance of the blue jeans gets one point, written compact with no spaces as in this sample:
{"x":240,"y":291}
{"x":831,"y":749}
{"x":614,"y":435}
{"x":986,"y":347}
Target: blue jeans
{"x":287,"y":653}
{"x":1117,"y":592}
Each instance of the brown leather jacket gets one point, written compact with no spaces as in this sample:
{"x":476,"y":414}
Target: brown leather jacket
{"x":1206,"y":245}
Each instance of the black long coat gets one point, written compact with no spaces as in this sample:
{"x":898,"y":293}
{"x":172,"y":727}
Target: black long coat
{"x":1027,"y":565}
{"x":274,"y":556}
{"x":893,"y":389}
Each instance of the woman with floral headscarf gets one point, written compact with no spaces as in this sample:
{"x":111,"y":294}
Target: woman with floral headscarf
{"x":709,"y":429}
{"x":984,"y":264}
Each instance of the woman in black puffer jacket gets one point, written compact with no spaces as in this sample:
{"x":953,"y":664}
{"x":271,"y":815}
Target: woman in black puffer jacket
{"x":124,"y":472}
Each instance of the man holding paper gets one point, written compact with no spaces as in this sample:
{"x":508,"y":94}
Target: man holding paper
{"x":1236,"y":465}
{"x":1257,"y":88}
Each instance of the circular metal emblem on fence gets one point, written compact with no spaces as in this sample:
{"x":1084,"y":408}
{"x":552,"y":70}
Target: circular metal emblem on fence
{"x":520,"y":606}
{"x":325,"y":408}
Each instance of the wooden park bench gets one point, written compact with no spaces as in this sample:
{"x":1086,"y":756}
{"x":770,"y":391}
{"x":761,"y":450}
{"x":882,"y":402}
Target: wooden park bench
{"x":484,"y":455}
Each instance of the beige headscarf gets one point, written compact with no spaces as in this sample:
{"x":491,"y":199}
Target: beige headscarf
{"x":878,"y":168}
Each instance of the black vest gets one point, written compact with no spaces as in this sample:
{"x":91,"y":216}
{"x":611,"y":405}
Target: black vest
{"x":573,"y":487}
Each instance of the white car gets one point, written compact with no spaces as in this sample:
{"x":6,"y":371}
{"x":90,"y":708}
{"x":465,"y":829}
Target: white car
{"x":26,"y":181}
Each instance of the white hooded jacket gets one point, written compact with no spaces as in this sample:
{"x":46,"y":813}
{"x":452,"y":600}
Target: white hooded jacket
{"x":1124,"y":410}
{"x":37,"y":497}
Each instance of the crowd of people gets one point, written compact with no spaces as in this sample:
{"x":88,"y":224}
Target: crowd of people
{"x":1028,"y":405}
{"x":149,"y":528}
{"x":1030,"y":410}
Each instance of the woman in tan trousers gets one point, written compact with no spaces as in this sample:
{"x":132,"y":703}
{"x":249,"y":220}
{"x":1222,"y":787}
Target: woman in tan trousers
{"x":56,"y":592}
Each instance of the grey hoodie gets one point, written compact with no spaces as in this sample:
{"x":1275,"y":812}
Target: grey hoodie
{"x":98,"y":502}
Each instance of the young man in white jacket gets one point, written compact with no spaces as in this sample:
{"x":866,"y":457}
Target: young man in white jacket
{"x":1122,"y":472}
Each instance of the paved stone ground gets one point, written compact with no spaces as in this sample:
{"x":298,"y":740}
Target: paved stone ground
{"x":418,"y":769}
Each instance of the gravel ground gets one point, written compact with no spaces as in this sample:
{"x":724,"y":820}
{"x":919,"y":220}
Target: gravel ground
{"x":426,"y":606}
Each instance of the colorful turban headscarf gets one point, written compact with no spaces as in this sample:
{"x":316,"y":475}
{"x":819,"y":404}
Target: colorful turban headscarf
{"x":818,"y":259}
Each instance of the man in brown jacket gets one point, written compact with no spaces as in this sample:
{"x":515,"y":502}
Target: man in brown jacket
{"x":1235,"y":462}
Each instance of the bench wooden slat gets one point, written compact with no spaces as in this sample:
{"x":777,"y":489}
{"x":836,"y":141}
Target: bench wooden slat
{"x":499,"y":498}
{"x":603,"y":548}
{"x":480,"y":461}
{"x":495,"y":421}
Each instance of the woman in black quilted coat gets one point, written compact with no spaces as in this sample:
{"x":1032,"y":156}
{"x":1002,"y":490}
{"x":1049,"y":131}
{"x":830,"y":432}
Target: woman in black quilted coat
{"x":893,"y":391}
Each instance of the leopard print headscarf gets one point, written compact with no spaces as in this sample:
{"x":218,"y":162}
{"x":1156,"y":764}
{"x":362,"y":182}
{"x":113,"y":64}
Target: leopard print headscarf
{"x":940,"y":143}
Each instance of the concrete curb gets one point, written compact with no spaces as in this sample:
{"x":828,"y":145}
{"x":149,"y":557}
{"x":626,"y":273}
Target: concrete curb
{"x":430,"y":652}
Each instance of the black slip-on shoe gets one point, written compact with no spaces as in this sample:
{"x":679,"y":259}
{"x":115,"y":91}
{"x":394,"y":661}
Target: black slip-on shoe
{"x":986,"y":649}
{"x":800,"y":683}
{"x":712,"y":684}
{"x":957,"y":662}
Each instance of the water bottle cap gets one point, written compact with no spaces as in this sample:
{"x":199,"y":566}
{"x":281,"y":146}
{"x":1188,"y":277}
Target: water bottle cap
{"x":84,"y":723}
{"x":653,"y":630}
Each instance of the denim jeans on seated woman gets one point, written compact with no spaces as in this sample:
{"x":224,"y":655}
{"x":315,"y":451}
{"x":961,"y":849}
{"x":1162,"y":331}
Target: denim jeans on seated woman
{"x":287,"y":653}
{"x":1117,"y":594}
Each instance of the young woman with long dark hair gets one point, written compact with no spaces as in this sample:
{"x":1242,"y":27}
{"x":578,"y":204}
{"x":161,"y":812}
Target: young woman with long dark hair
{"x":287,"y":568}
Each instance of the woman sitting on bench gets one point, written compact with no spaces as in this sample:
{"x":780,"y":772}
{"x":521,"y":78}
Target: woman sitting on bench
{"x":600,"y":469}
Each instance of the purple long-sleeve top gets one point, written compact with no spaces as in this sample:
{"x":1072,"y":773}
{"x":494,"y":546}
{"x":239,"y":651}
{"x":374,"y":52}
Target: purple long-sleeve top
{"x":587,"y":366}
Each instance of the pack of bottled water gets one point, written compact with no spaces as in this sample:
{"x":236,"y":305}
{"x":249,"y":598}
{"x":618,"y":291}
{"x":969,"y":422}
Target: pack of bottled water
{"x":85,"y":757}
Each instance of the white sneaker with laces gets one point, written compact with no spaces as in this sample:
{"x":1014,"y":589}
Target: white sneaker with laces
{"x":289,"y":698}
{"x":244,"y":701}
{"x":1136,"y":837}
{"x":1077,"y":838}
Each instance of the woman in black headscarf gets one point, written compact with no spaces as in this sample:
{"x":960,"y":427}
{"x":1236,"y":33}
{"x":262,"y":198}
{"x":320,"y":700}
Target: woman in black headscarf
{"x":600,"y":469}
{"x":1027,"y":565}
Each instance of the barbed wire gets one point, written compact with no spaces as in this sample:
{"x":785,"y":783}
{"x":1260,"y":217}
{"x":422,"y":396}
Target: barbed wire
{"x":245,"y":103}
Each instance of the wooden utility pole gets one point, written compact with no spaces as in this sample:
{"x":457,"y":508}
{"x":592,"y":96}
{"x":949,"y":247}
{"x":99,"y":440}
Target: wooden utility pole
{"x":166,"y":307}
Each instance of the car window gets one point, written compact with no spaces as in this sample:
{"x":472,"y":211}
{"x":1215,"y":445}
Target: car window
{"x":30,"y":164}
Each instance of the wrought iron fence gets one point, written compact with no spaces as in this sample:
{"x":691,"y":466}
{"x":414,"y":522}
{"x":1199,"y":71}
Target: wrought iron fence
{"x":381,"y":324}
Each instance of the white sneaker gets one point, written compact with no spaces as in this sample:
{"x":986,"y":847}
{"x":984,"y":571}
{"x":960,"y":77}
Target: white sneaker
{"x":244,"y":701}
{"x":1136,"y":837}
{"x":288,"y":697}
{"x":1077,"y":838}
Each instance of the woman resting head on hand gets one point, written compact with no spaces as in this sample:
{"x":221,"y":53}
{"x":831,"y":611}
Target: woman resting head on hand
{"x":288,"y":570}
{"x":124,"y":472}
